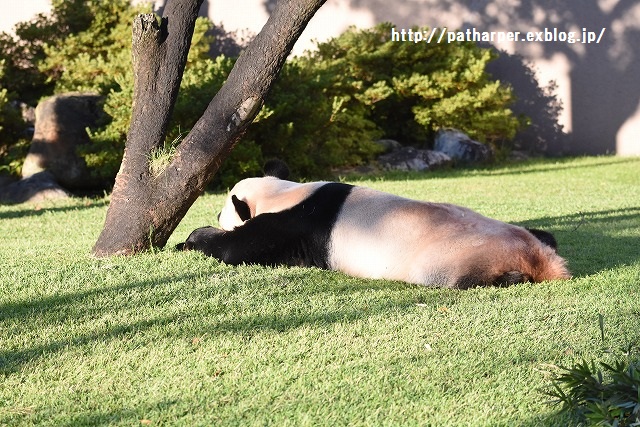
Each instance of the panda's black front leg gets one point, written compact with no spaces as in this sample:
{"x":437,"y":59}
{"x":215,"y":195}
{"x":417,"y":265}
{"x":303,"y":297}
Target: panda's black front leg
{"x":229,"y":247}
{"x":208,"y":240}
{"x":263,"y":240}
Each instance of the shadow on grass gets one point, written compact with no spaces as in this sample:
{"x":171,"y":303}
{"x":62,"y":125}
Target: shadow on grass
{"x":93,"y":418}
{"x":32,"y":210}
{"x":55,"y":305}
{"x":591,"y":242}
{"x":55,"y":311}
{"x":595,"y":241}
{"x":60,"y":309}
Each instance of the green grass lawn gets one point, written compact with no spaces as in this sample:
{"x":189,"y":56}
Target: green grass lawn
{"x":170,"y":338}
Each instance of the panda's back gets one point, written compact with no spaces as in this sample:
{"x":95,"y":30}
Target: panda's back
{"x":385,"y":236}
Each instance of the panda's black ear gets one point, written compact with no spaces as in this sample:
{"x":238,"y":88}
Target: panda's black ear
{"x":277,"y":168}
{"x":242,"y":208}
{"x":545,"y":237}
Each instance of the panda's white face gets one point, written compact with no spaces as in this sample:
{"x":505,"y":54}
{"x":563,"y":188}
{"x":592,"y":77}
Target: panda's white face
{"x":262,"y":195}
{"x":229,"y":217}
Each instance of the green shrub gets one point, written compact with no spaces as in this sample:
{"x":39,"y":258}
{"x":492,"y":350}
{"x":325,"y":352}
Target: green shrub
{"x":309,"y":129}
{"x":85,"y":45}
{"x":25,"y":52}
{"x":11,"y":129}
{"x":608,"y":395}
{"x":93,"y":58}
{"x":298,"y":123}
{"x":78,"y":46}
{"x":413,"y":89}
{"x":328,"y":106}
{"x":20,"y":78}
{"x":98,"y":59}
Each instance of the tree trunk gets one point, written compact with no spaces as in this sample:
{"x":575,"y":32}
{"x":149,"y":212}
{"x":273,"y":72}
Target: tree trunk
{"x":145,"y":209}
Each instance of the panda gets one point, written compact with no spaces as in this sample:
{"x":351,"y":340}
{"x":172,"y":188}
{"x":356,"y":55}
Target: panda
{"x":371,"y":234}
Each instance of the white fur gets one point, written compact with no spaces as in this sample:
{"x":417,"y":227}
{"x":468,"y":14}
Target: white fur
{"x":380,"y":235}
{"x":263,"y":195}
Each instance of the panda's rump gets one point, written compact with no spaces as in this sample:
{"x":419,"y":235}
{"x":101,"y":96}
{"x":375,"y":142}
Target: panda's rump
{"x":379,"y":235}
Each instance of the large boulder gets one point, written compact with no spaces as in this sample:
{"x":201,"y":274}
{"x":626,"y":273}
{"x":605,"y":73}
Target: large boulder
{"x":36,"y":188}
{"x":388,"y":145}
{"x":413,"y":159}
{"x":462,"y":149}
{"x":61,"y":123}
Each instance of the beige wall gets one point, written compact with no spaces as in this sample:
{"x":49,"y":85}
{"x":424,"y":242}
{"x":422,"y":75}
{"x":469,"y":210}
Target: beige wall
{"x":599,"y":84}
{"x":19,"y":11}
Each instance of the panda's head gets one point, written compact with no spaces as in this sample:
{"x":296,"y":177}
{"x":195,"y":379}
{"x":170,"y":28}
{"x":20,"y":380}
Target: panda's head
{"x":251,"y":196}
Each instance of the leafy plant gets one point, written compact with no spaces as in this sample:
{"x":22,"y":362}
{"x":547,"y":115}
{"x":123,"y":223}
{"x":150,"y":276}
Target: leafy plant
{"x":92,"y":58}
{"x":110,"y":73}
{"x":81,"y":45}
{"x":24,"y":53}
{"x":410,"y":90}
{"x":310,"y":128}
{"x":84,"y":45}
{"x":11,"y":127}
{"x":604,"y":394}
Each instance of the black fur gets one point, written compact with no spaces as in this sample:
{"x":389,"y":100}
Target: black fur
{"x":276,"y":168}
{"x":545,"y":237}
{"x":511,"y":278}
{"x":296,"y":236}
{"x":242,"y":208}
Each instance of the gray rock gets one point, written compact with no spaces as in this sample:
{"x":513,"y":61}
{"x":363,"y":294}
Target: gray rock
{"x":412,"y":159}
{"x":36,"y":188}
{"x":61,"y":123}
{"x":461,"y":148}
{"x":388,"y":145}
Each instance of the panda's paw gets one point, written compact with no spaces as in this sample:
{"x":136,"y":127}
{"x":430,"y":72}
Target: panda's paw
{"x":199,"y":239}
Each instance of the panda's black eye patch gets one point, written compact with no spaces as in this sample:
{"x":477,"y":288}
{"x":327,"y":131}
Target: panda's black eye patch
{"x":242,"y":208}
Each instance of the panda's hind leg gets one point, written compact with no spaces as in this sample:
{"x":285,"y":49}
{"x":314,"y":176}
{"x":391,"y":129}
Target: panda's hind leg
{"x":506,"y":279}
{"x":511,"y":278}
{"x":484,"y":278}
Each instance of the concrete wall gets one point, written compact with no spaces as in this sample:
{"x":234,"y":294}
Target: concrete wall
{"x":13,"y":12}
{"x":597,"y":83}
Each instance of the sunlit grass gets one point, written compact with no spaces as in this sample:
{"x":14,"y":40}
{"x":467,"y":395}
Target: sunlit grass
{"x":171,"y":338}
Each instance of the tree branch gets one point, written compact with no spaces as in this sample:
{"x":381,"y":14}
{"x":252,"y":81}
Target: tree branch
{"x":159,"y":55}
{"x":237,"y":103}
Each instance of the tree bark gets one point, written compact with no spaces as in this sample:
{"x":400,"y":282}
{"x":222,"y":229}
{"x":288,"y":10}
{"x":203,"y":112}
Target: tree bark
{"x":145,"y":209}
